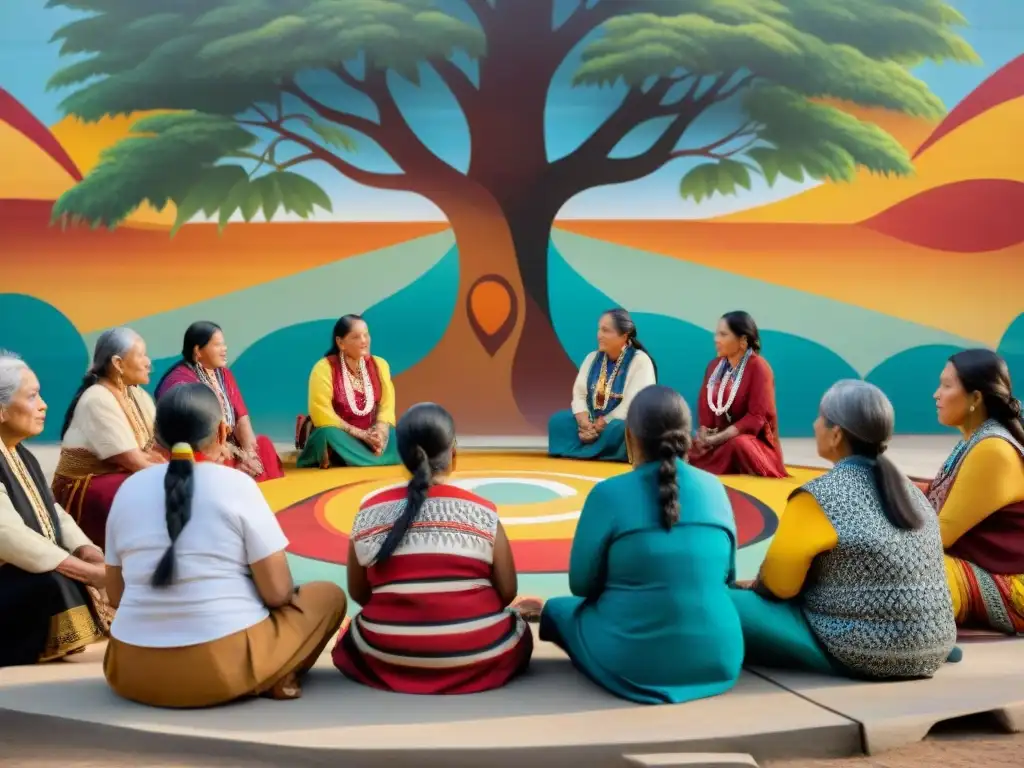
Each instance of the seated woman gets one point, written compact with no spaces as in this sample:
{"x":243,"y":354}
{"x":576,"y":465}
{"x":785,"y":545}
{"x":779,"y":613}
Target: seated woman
{"x":853,"y":582}
{"x":652,"y":558}
{"x":979,"y":492}
{"x":108,"y":431}
{"x":433,"y":570}
{"x":207,"y":610}
{"x":351,"y":404}
{"x":46,"y":563}
{"x":738,"y":432}
{"x":204,"y":360}
{"x":609,"y":379}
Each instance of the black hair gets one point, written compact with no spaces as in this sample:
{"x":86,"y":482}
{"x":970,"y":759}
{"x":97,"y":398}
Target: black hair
{"x":624,"y":324}
{"x":426,"y":436}
{"x":199,"y":335}
{"x":188,"y":414}
{"x":985,"y":372}
{"x":659,"y":419}
{"x":866,"y":418}
{"x":342,"y":328}
{"x":742,"y":325}
{"x":112,"y":343}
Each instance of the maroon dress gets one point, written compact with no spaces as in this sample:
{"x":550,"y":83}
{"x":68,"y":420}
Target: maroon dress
{"x":756,"y":450}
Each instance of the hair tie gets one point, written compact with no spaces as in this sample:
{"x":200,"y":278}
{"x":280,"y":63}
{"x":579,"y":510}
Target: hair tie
{"x":182,"y":452}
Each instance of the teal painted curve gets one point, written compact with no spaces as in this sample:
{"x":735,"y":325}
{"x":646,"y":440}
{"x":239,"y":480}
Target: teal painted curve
{"x":273,"y":373}
{"x":352,"y":284}
{"x":909,"y":380}
{"x":407,"y":325}
{"x":51,"y":345}
{"x":803,"y":368}
{"x":1011,"y":347}
{"x":650,"y":282}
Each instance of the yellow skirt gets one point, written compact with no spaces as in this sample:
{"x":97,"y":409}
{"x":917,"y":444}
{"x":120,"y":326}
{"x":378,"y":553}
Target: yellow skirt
{"x":247,"y":663}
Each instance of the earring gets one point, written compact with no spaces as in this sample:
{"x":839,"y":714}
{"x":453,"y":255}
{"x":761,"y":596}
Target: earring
{"x":972,"y":409}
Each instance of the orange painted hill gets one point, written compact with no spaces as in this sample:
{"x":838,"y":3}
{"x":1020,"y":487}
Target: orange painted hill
{"x":100,"y":278}
{"x":846,"y":263}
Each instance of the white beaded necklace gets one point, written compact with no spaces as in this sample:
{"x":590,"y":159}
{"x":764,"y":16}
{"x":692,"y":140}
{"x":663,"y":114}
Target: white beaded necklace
{"x":715,"y":402}
{"x":350,"y":394}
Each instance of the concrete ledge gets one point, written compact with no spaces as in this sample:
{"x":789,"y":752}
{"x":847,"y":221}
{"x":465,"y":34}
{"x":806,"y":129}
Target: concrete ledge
{"x":552,"y":717}
{"x":693,"y":760}
{"x":989,"y":680}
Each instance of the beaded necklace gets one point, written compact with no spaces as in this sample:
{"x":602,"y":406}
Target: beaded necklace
{"x":720,"y":381}
{"x":350,"y":387}
{"x":34,"y":497}
{"x":214,"y":383}
{"x":603,"y":389}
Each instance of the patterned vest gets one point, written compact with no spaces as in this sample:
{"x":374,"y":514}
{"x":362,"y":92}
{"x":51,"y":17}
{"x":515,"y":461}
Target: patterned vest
{"x":878,"y":601}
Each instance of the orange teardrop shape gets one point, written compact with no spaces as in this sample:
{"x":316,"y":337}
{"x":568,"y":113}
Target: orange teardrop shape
{"x":490,"y":303}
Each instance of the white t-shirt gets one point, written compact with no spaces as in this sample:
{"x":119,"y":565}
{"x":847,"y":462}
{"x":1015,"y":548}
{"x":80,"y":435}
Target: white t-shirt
{"x":213,"y":594}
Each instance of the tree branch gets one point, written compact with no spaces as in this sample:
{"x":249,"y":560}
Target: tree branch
{"x":356,"y":123}
{"x":602,"y":171}
{"x":483,"y":10}
{"x":458,"y":82}
{"x":708,"y":150}
{"x":296,"y":160}
{"x":585,"y":20}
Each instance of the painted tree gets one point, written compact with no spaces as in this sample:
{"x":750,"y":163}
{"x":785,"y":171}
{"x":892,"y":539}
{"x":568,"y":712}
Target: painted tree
{"x":229,"y":73}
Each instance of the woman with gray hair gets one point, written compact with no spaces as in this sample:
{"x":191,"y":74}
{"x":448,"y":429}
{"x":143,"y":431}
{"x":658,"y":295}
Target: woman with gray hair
{"x":47,"y":564}
{"x":854,"y":582}
{"x":108,"y":431}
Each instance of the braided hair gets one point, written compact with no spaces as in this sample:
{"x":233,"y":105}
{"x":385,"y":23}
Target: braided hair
{"x":426,"y":437}
{"x":187,"y":415}
{"x":660,"y":422}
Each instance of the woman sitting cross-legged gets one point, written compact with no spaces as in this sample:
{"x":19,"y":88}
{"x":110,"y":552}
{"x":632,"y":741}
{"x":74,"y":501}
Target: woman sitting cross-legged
{"x":652,"y":558}
{"x":351,"y":404}
{"x":853,"y":583}
{"x":594,"y":427}
{"x":207,"y":611}
{"x":433,"y":570}
{"x":979,"y":492}
{"x":738,"y":430}
{"x":49,"y":570}
{"x":108,"y":431}
{"x":204,"y":360}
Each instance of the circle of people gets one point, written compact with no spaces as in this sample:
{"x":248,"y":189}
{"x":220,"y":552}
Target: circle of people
{"x":154,"y":533}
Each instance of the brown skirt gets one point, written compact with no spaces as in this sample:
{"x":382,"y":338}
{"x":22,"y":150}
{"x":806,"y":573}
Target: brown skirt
{"x":247,"y":663}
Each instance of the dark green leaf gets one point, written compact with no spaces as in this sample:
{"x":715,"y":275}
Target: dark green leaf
{"x":332,"y":135}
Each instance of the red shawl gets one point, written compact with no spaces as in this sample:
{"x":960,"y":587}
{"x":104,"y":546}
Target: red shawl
{"x":340,"y":402}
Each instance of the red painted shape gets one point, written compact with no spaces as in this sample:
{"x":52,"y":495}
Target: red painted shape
{"x":310,"y":536}
{"x":969,"y":216}
{"x":20,"y":119}
{"x":1003,"y":85}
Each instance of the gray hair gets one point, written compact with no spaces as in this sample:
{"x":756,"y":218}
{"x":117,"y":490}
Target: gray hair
{"x":12,"y":368}
{"x":115,"y":342}
{"x":861,"y":410}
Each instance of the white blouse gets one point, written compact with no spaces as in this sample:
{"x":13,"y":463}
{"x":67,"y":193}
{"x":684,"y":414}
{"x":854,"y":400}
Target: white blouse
{"x":639,"y":376}
{"x":100,"y":426}
{"x":29,"y":550}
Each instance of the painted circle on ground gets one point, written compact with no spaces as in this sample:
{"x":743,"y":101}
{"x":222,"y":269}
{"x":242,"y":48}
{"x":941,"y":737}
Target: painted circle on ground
{"x":539,"y":501}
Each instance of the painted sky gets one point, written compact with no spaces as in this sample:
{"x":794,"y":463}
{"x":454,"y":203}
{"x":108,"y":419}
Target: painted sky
{"x":28,"y":59}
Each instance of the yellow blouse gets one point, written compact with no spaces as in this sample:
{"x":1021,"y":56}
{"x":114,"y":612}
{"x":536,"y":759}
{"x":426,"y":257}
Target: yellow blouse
{"x":321,"y":394}
{"x":992,"y":477}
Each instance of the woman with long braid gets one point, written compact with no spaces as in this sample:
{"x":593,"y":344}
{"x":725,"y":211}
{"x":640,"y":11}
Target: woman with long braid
{"x":654,"y":552}
{"x":207,"y":610}
{"x":431,"y":566}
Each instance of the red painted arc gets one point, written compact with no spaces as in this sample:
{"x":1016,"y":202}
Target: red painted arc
{"x":310,"y":535}
{"x":20,"y":119}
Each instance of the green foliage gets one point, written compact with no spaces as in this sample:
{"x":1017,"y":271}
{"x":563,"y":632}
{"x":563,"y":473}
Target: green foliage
{"x":703,"y":181}
{"x":172,"y":158}
{"x":795,"y":55}
{"x":209,"y":62}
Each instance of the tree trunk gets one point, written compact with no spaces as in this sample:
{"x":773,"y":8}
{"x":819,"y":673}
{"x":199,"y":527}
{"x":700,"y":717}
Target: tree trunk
{"x":507,"y":382}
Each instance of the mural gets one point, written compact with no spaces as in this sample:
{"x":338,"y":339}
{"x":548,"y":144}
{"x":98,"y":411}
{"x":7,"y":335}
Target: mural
{"x":481,"y":178}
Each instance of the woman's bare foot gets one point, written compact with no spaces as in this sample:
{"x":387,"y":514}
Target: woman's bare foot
{"x":286,"y":688}
{"x":529,"y":608}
